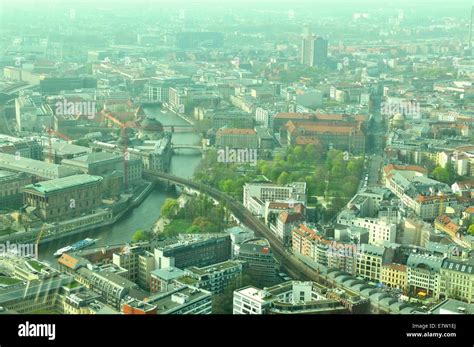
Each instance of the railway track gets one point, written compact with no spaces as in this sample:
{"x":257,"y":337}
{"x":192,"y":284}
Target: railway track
{"x":292,"y":265}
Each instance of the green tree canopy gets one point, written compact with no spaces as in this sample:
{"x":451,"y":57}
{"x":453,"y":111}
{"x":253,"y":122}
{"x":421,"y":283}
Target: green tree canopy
{"x":169,"y":208}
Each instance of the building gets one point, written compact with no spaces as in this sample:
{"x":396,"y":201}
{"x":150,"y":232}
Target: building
{"x":239,"y":234}
{"x":236,"y":138}
{"x":182,"y":300}
{"x":21,"y":147}
{"x":159,"y":87}
{"x":32,"y":114}
{"x":293,"y":297}
{"x":38,"y":169}
{"x":102,"y":163}
{"x":423,"y":274}
{"x":138,"y":262}
{"x":12,"y":185}
{"x":62,"y":150}
{"x":76,"y":300}
{"x":193,"y":250}
{"x":457,"y":280}
{"x":284,"y":224}
{"x":424,"y":196}
{"x":369,"y":262}
{"x":451,"y":306}
{"x":64,"y":198}
{"x":112,"y":287}
{"x":314,"y":51}
{"x":54,"y":85}
{"x":163,"y":280}
{"x":255,"y":195}
{"x":217,"y":277}
{"x":394,"y":276}
{"x":262,"y":266}
{"x":342,"y":137}
{"x":380,"y":230}
{"x":32,"y":296}
{"x":154,"y":154}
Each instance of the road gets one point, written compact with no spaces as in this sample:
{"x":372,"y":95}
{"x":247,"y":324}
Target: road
{"x":373,"y":170}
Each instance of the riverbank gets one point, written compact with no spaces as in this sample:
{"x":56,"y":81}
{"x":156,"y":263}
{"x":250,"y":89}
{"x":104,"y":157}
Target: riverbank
{"x":100,"y":218}
{"x":145,"y":216}
{"x":162,"y":222}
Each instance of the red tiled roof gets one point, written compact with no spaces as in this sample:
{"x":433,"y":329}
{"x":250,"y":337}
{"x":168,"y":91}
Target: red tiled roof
{"x":417,"y":168}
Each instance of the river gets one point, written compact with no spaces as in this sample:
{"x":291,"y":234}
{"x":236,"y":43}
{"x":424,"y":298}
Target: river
{"x":145,"y":215}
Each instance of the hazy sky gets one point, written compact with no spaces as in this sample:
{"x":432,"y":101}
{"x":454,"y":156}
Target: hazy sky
{"x":378,"y":3}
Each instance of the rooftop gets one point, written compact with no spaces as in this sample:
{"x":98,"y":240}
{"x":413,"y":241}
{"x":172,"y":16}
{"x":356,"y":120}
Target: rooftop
{"x":35,"y":167}
{"x":63,"y":183}
{"x":168,"y":273}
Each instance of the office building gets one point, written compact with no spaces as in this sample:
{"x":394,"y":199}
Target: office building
{"x":261,"y":265}
{"x":293,"y":297}
{"x":256,"y":195}
{"x":193,"y":250}
{"x":217,"y":277}
{"x":182,"y":300}
{"x":138,"y":262}
{"x":164,"y":280}
{"x":314,"y":51}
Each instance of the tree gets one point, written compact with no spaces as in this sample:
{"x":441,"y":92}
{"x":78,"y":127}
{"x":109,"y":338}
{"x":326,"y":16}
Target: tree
{"x":140,"y":235}
{"x":25,"y":221}
{"x":310,"y":152}
{"x":470,"y":230}
{"x":169,"y":208}
{"x":283,"y":178}
{"x":298,"y":152}
{"x":445,"y":175}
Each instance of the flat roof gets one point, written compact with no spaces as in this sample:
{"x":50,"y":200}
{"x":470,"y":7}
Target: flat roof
{"x":35,"y":167}
{"x":168,"y":273}
{"x":63,"y":183}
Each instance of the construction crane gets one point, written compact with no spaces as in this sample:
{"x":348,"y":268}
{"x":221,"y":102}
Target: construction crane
{"x":126,"y":155}
{"x":40,"y":234}
{"x":50,"y":144}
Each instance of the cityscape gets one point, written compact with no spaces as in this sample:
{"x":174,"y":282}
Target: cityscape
{"x":265,"y":158}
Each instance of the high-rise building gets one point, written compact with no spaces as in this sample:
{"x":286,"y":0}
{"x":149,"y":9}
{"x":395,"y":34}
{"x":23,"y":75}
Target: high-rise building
{"x":314,"y":50}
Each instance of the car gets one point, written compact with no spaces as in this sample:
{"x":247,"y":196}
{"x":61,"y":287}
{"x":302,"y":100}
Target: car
{"x":286,"y":278}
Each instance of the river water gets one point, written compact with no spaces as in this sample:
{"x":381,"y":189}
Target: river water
{"x":145,"y":215}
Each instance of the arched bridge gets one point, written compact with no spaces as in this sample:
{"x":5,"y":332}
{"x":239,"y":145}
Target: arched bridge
{"x":292,"y":265}
{"x":184,"y":146}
